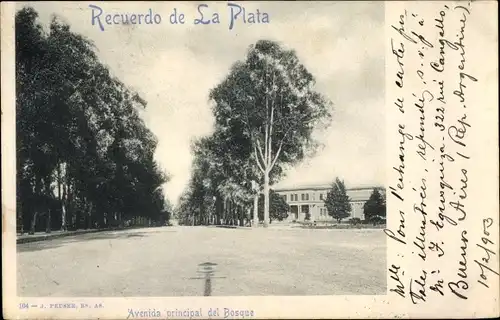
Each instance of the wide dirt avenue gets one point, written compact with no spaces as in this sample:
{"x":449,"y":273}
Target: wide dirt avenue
{"x":164,"y":262}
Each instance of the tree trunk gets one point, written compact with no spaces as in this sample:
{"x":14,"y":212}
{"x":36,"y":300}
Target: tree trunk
{"x":69,"y":204}
{"x":231,"y":213}
{"x":78,"y":219}
{"x":256,"y":210}
{"x":85,"y":213}
{"x":226,"y":214}
{"x":48,"y":228}
{"x":217,"y":210}
{"x":223,"y":210}
{"x":227,"y":218}
{"x":235,"y":214}
{"x":35,"y":215}
{"x":240,"y":215}
{"x":266,"y":199}
{"x":120,"y":222}
{"x":63,"y":206}
{"x":202,"y":212}
{"x":89,"y":216}
{"x":33,"y":223}
{"x":59,"y":194}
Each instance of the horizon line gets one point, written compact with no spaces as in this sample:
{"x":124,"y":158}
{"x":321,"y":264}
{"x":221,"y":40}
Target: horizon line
{"x":324,"y":186}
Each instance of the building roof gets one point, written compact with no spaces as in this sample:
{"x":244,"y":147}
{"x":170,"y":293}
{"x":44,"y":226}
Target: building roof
{"x":355,"y":193}
{"x":303,"y":187}
{"x":321,"y":187}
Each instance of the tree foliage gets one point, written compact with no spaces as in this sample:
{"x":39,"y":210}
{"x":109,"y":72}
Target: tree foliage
{"x":265,"y":111}
{"x":84,"y":155}
{"x":375,"y":207}
{"x":337,"y":201}
{"x":278,"y":207}
{"x":219,"y":191}
{"x":268,"y":101}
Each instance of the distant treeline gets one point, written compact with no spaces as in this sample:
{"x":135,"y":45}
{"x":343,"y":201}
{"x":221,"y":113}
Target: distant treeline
{"x":84,"y":156}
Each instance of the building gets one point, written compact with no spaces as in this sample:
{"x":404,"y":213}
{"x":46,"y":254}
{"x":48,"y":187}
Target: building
{"x":310,"y":199}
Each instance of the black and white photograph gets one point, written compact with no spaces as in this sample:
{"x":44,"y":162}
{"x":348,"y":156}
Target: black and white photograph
{"x":249,"y":160}
{"x":189,"y":162}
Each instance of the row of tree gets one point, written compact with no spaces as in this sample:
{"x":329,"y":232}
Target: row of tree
{"x":84,"y":156}
{"x":338,"y":203}
{"x":265,"y":111}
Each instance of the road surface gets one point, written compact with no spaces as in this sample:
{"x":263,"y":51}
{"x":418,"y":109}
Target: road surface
{"x":163,"y":262}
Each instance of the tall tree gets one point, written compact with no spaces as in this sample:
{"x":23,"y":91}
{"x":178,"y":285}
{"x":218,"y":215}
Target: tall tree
{"x":83,"y":153}
{"x":219,"y":178}
{"x":375,"y":207}
{"x":337,"y":201}
{"x":269,"y":100}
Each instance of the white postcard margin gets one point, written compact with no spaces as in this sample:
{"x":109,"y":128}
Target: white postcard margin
{"x":482,"y":168}
{"x":442,"y":122}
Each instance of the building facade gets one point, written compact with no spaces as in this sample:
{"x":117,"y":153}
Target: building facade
{"x":311,"y":200}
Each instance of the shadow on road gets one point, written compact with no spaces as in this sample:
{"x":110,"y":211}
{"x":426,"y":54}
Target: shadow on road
{"x":59,"y":242}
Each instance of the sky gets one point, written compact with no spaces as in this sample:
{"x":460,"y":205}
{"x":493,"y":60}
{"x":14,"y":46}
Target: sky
{"x":173,"y":67}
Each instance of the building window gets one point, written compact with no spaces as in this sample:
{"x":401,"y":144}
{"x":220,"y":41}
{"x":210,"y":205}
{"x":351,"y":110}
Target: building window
{"x":321,"y":197}
{"x":284,"y":197}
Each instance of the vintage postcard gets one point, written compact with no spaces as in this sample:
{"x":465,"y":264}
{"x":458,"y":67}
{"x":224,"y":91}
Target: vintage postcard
{"x":250,"y":160}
